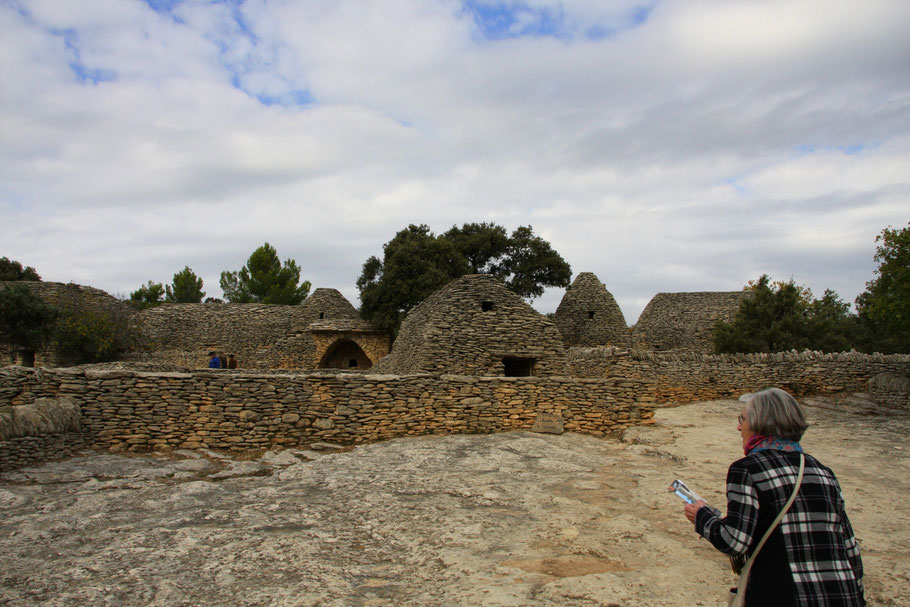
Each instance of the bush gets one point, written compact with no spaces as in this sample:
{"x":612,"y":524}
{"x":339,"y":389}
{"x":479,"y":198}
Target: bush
{"x":86,"y":334}
{"x":779,"y":316}
{"x":26,"y":321}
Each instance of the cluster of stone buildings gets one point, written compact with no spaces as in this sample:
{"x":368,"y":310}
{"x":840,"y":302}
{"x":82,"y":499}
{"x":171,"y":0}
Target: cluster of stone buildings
{"x":473,"y":326}
{"x":472,"y":358}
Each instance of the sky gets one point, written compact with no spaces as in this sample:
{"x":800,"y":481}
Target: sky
{"x":664,"y":145}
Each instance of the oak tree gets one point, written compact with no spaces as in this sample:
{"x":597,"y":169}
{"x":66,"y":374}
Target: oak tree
{"x":11,"y":269}
{"x":884,"y":307}
{"x":416,"y":263}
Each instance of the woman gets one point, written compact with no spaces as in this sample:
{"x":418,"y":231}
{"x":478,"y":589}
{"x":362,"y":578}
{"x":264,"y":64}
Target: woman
{"x":812,"y":557}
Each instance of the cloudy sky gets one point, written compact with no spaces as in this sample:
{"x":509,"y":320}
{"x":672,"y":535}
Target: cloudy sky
{"x":665,"y":145}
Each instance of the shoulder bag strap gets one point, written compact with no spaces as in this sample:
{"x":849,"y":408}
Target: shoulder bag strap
{"x":744,"y":578}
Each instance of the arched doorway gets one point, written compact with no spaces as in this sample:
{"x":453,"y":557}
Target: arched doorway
{"x":345,"y":354}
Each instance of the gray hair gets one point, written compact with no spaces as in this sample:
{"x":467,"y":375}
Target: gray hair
{"x":773,"y":412}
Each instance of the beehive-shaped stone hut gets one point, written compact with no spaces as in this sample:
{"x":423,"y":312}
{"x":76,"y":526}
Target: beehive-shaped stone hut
{"x":684,"y":321}
{"x":476,"y":326}
{"x":325,"y":304}
{"x":589,"y":316}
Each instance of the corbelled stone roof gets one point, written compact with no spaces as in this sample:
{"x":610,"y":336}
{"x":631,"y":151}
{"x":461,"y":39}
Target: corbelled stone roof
{"x":471,"y":327}
{"x":326,"y":304}
{"x":684,"y":321}
{"x":589,"y":316}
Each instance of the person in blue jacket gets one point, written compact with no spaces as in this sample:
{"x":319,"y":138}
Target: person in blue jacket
{"x":215,"y":362}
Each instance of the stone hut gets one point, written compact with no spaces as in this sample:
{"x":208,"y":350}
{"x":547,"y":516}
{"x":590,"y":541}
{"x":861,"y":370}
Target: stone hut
{"x":684,"y":321}
{"x":476,"y":326}
{"x":589,"y":316}
{"x":340,"y":338}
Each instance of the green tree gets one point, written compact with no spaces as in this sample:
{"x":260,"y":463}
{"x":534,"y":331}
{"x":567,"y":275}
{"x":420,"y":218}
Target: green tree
{"x":13,"y":270}
{"x":416,"y":263}
{"x":26,"y":321}
{"x":484,"y":246}
{"x":264,"y":280}
{"x":884,"y":307}
{"x":531,"y":264}
{"x":832,"y":327}
{"x":86,"y":333}
{"x":780,"y":316}
{"x":525,"y":262}
{"x":149,"y":295}
{"x":186,"y":288}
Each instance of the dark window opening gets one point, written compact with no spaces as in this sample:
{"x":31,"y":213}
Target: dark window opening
{"x":27,"y":358}
{"x":591,"y":314}
{"x":352,"y":363}
{"x":486,"y":306}
{"x":321,"y":315}
{"x":518,"y":367}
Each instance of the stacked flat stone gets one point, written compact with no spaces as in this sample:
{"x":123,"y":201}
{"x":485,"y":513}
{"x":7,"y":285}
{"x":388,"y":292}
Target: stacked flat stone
{"x":681,"y":377}
{"x":470,"y":327}
{"x":588,"y":315}
{"x":891,"y":389}
{"x":123,"y":410}
{"x":326,"y":304}
{"x":259,"y":335}
{"x":684,"y":321}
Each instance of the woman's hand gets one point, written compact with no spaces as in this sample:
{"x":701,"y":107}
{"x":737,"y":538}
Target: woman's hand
{"x":692,"y":510}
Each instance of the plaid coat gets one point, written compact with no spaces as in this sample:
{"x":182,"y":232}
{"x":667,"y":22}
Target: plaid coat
{"x":812,"y":558}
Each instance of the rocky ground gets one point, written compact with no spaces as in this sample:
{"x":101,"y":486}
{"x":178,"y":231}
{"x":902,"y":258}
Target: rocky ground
{"x":509,"y":519}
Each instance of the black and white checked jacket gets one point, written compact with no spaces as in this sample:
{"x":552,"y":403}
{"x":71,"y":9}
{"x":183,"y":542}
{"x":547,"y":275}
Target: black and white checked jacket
{"x":812,"y":558}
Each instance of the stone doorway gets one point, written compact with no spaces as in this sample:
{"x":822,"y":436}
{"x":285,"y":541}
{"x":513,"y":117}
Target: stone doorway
{"x":345,"y":354}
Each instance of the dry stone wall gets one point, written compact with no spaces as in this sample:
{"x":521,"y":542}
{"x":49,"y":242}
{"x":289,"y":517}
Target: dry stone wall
{"x":44,"y":429}
{"x":588,"y":315}
{"x":241,"y":411}
{"x":891,"y":389}
{"x":681,"y":377}
{"x":260,"y":336}
{"x":684,"y":321}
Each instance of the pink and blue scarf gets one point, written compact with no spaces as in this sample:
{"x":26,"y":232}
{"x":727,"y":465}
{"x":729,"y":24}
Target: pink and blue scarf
{"x":760,"y":442}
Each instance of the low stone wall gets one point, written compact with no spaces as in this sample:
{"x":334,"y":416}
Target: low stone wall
{"x":890,"y":390}
{"x":682,"y":377}
{"x":26,"y":450}
{"x":42,"y":429}
{"x":139,"y":411}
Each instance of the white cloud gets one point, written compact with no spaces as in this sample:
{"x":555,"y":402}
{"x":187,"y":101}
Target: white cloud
{"x":697,"y":145}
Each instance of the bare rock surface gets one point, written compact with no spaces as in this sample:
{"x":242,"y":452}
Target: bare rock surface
{"x":509,"y":519}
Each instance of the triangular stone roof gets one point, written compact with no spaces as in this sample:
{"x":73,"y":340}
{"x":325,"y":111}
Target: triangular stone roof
{"x":589,"y":316}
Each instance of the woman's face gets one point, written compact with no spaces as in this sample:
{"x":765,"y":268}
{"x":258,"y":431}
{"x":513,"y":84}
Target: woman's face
{"x":743,"y":427}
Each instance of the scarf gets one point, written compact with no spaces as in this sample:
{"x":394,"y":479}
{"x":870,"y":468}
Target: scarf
{"x":760,"y":442}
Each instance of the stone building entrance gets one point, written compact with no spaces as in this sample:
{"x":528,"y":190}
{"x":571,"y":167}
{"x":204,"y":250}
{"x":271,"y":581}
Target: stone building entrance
{"x":345,"y":354}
